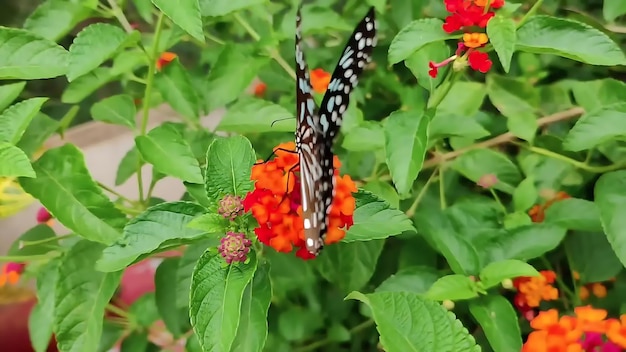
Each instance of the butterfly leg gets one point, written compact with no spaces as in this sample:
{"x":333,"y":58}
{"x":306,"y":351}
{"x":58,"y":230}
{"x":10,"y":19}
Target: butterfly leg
{"x":273,"y":153}
{"x":289,"y":172}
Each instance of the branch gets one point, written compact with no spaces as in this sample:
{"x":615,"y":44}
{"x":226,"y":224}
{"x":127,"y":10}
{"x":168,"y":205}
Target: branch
{"x":503,"y":138}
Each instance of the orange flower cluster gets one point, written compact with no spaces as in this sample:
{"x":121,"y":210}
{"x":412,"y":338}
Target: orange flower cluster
{"x":165,"y":59}
{"x":11,"y":273}
{"x":598,"y":289}
{"x":276,"y":203}
{"x":538,"y":212}
{"x":589,"y":330}
{"x":531,"y":290}
{"x":320,"y":80}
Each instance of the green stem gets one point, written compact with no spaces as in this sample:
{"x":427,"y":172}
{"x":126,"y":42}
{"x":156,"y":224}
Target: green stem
{"x":530,"y":13}
{"x":443,"y":90}
{"x":27,"y":258}
{"x":442,"y":189}
{"x":411,"y":211}
{"x":211,"y":37}
{"x":129,"y":211}
{"x":574,"y":162}
{"x":559,"y":281}
{"x":495,"y":196}
{"x":119,"y":14}
{"x":317,"y":344}
{"x":273,"y":53}
{"x":45,"y":240}
{"x":117,"y":310}
{"x":114,"y":192}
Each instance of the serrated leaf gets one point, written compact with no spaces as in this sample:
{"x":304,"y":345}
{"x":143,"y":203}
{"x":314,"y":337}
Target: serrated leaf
{"x":591,"y":256}
{"x":117,"y":109}
{"x":37,"y":132}
{"x":185,"y":14}
{"x":596,"y":127}
{"x":501,"y":32}
{"x":516,"y":99}
{"x":610,"y":197}
{"x":384,"y":191}
{"x":350,"y":265}
{"x":599,"y":93}
{"x":375,"y":219}
{"x":65,"y":187}
{"x":41,"y":318}
{"x":82,"y":294}
{"x":53,"y":19}
{"x":570,"y":39}
{"x":165,"y":293}
{"x":129,"y":165}
{"x":525,"y":194}
{"x":415,"y":279}
{"x":210,"y":223}
{"x":406,"y":138}
{"x":498,"y":320}
{"x":251,"y":115}
{"x":515,"y":244}
{"x":216,"y":294}
{"x":479,"y":162}
{"x":13,"y":162}
{"x":94,"y":45}
{"x":27,"y":56}
{"x":414,"y":36}
{"x":151,"y":231}
{"x":495,"y":272}
{"x":16,"y":118}
{"x":369,"y":135}
{"x":174,"y":84}
{"x":185,"y":270}
{"x":252,"y":330}
{"x":9,"y":92}
{"x":85,"y":85}
{"x":452,"y":287}
{"x":216,"y":8}
{"x":228,"y":167}
{"x":231,"y":74}
{"x":574,"y":214}
{"x":165,"y":148}
{"x":407,"y":322}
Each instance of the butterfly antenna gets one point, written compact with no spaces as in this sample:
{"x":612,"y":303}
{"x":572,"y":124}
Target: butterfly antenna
{"x":286,"y":118}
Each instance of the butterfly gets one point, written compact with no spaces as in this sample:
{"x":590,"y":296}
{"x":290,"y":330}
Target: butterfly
{"x":317,"y":128}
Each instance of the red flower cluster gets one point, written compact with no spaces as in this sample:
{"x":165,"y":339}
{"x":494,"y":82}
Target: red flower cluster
{"x":532,"y":290}
{"x":466,"y":15}
{"x":276,"y":203}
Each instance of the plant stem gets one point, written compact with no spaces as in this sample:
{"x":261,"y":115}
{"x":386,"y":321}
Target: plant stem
{"x":495,"y":196}
{"x":27,"y":258}
{"x":274,"y":54}
{"x":575,"y":163}
{"x":119,"y":14}
{"x":530,"y":12}
{"x":573,"y":297}
{"x":317,"y":344}
{"x":114,"y":192}
{"x":45,"y":240}
{"x":411,"y":211}
{"x":442,"y":188}
{"x":117,"y":310}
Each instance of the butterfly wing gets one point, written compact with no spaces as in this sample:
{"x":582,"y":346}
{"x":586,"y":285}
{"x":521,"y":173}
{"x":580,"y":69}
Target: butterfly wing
{"x":307,"y":138}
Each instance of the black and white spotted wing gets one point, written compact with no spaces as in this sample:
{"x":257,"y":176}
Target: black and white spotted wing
{"x":316,"y":130}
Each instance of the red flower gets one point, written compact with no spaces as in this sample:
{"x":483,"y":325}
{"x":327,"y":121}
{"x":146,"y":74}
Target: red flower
{"x":320,"y":80}
{"x":165,"y":59}
{"x":10,"y":273}
{"x":259,"y":89}
{"x":479,"y":61}
{"x":276,"y":203}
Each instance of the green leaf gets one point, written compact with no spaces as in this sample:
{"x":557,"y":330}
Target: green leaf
{"x":350,"y":265}
{"x":165,"y":293}
{"x":599,"y":93}
{"x":27,"y":56}
{"x":198,"y":193}
{"x":407,"y":322}
{"x":526,"y":194}
{"x":65,"y":187}
{"x":570,"y":39}
{"x":82,"y":294}
{"x":136,"y":341}
{"x":41,"y":318}
{"x":144,"y":9}
{"x":9,"y":92}
{"x":252,"y":330}
{"x":94,"y":45}
{"x":369,"y":135}
{"x":15,"y":119}
{"x":384,"y":191}
{"x":37,"y":133}
{"x":612,"y":9}
{"x":452,"y":287}
{"x":479,"y":162}
{"x":40,"y":232}
{"x":574,"y":214}
{"x":596,"y":127}
{"x":228,"y":166}
{"x":516,"y":99}
{"x":85,"y":85}
{"x":493,"y":274}
{"x":416,"y":279}
{"x":174,"y":84}
{"x":185,"y":269}
{"x":590,"y":254}
{"x":53,"y":19}
{"x":251,"y":115}
{"x":501,"y":32}
{"x":231,"y":74}
{"x":414,"y":36}
{"x":521,"y":243}
{"x":217,"y":8}
{"x":118,"y":110}
{"x":13,"y":162}
{"x":150,"y":232}
{"x":418,"y":64}
{"x":165,"y":148}
{"x":185,"y":14}
{"x":145,"y":310}
{"x":321,"y":19}
{"x":610,"y":197}
{"x":375,"y":219}
{"x":406,"y":138}
{"x":210,"y":223}
{"x":294,"y":324}
{"x":216,"y":299}
{"x":498,"y":320}
{"x":128,"y":165}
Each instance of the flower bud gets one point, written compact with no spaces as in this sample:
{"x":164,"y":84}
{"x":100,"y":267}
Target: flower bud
{"x":234,"y":247}
{"x":230,"y":207}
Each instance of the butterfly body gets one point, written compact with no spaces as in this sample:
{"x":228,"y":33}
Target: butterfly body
{"x":317,"y":129}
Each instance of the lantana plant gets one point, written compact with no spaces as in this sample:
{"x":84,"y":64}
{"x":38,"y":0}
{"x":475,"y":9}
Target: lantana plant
{"x":479,"y":177}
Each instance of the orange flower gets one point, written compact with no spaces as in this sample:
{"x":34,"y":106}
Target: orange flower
{"x":276,"y":203}
{"x":537,"y":212}
{"x":553,"y":334}
{"x":165,"y":59}
{"x":597,"y":288}
{"x":531,"y":290}
{"x":259,"y":89}
{"x":11,"y":273}
{"x":475,"y":40}
{"x":320,"y":80}
{"x":616,"y":331}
